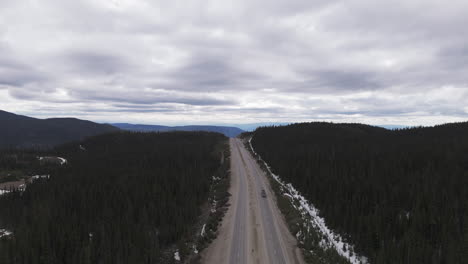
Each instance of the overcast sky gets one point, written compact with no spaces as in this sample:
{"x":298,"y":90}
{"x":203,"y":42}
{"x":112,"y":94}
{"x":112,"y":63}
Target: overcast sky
{"x":241,"y":61}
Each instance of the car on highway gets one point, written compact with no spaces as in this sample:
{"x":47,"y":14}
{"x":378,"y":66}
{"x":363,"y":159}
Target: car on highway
{"x":263,"y":193}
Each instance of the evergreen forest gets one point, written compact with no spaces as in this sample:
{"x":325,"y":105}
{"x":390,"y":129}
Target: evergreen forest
{"x":124,"y":197}
{"x":400,"y":196}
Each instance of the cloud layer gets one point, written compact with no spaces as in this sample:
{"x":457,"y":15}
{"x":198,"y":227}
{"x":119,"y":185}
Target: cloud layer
{"x":176,"y":62}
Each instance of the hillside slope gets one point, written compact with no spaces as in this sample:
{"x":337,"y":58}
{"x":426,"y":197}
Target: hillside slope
{"x":22,"y":131}
{"x":398,"y":195}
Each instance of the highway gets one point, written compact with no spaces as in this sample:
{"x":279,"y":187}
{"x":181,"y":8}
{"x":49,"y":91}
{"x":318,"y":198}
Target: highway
{"x":253,"y":230}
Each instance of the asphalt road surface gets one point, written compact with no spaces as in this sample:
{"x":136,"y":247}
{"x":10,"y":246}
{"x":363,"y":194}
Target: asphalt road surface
{"x":253,"y":230}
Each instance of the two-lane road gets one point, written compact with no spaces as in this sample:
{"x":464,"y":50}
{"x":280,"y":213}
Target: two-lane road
{"x":253,"y":230}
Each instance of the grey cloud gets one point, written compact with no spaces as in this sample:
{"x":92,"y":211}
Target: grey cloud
{"x":254,"y":110}
{"x":454,"y":56}
{"x":130,"y":110}
{"x":212,"y":72}
{"x":16,"y":73}
{"x":94,"y":63}
{"x":23,"y":94}
{"x":150,"y":97}
{"x":409,"y":104}
{"x":133,"y":106}
{"x":44,"y":95}
{"x":345,"y":80}
{"x":18,"y":77}
{"x":432,"y":20}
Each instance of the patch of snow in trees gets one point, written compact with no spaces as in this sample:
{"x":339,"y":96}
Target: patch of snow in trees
{"x":176,"y":256}
{"x":5,"y":233}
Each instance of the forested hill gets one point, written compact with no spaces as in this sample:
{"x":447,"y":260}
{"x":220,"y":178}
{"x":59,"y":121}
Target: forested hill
{"x":226,"y":130}
{"x":120,"y":198}
{"x":400,"y":196}
{"x":25,"y":132}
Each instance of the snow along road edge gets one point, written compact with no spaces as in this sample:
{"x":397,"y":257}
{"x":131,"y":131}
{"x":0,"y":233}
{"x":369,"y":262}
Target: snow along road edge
{"x":309,"y":211}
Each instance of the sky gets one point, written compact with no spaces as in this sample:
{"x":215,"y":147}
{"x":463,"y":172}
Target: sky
{"x":177,"y":62}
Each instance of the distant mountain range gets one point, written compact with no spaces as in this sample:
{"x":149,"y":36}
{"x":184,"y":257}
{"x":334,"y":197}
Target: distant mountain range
{"x":393,"y":127}
{"x":22,"y":131}
{"x":227,"y":131}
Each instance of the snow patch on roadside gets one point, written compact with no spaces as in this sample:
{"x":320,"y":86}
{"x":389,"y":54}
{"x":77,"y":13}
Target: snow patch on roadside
{"x":202,"y":233}
{"x":310,"y":215}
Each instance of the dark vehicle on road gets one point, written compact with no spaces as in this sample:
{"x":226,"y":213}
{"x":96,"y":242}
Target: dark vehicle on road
{"x":263,"y":193}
